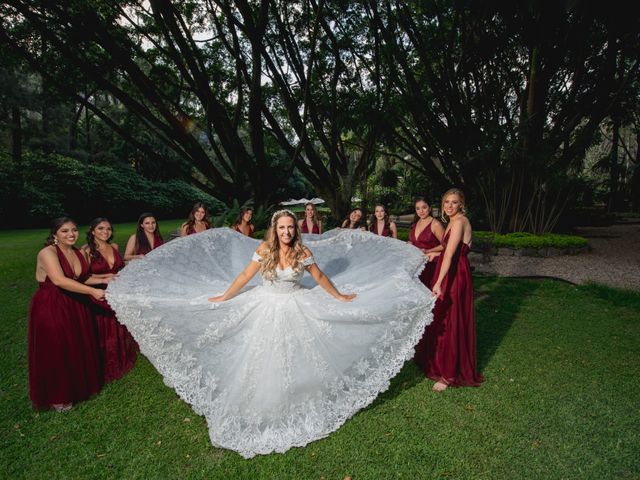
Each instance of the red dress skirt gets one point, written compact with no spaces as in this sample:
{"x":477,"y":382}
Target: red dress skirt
{"x":118,"y":348}
{"x":447,"y":352}
{"x":426,"y":240}
{"x":64,"y":358}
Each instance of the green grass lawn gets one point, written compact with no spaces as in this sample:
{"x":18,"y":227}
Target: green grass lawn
{"x":560,"y":400}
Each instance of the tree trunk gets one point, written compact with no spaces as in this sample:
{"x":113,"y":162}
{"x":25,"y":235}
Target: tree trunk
{"x":16,"y":137}
{"x":614,"y":167}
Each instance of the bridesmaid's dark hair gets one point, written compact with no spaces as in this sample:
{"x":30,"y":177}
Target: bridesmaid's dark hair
{"x":56,"y":223}
{"x":141,"y":238}
{"x":191,"y":220}
{"x":91,"y":238}
{"x":356,"y":225}
{"x":420,"y":199}
{"x":374,"y":220}
{"x":243,"y":210}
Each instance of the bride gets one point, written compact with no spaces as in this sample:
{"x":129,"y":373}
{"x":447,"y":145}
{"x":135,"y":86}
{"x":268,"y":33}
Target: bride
{"x":281,"y":364}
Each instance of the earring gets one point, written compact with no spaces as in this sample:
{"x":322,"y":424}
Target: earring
{"x":55,"y":241}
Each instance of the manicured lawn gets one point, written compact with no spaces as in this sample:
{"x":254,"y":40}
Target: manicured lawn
{"x":560,"y":400}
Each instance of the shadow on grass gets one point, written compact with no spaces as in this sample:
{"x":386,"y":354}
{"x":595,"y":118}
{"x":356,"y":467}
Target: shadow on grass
{"x":497,"y":302}
{"x":616,"y":296}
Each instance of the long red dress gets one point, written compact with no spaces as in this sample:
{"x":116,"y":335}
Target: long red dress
{"x":385,"y":231}
{"x":447,"y":351}
{"x":157,"y":241}
{"x":64,"y":358}
{"x":305,"y":229}
{"x":426,"y":240}
{"x":237,"y":229}
{"x":118,"y":348}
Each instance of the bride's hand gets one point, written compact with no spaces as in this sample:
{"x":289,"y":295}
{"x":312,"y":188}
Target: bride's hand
{"x":216,"y":299}
{"x":347,"y":297}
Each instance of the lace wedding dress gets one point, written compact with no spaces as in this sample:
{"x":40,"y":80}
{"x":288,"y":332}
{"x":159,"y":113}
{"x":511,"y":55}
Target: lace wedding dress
{"x":283,"y":363}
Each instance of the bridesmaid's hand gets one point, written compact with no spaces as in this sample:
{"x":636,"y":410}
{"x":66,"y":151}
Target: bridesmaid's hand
{"x":431,"y":256}
{"x":98,"y":294}
{"x":218,"y":299}
{"x":437,"y":291}
{"x":347,"y":297}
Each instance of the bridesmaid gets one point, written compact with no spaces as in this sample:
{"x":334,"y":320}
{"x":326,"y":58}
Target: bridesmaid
{"x":64,"y":358}
{"x":354,"y":220}
{"x":450,"y":357}
{"x":426,"y":234}
{"x":146,"y":238}
{"x":380,"y":224}
{"x":117,"y":346}
{"x":243,"y":222}
{"x":310,"y":223}
{"x":197,"y":222}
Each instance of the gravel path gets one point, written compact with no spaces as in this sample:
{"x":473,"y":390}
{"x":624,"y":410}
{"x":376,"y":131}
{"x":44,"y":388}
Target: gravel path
{"x":614,"y":260}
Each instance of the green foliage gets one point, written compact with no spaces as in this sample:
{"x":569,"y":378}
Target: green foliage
{"x":403,"y":234}
{"x":51,"y":185}
{"x":528,"y":240}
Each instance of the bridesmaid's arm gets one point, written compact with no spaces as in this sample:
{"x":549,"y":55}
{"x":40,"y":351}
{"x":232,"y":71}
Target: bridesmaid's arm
{"x":241,"y":280}
{"x":394,"y":229}
{"x":438,"y":231}
{"x":99,"y":278}
{"x":48,"y":261}
{"x":184,"y":230}
{"x":455,"y":237}
{"x":320,"y":227}
{"x":129,"y":251}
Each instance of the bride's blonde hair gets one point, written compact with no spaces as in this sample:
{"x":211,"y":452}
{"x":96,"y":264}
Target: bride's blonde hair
{"x":296,"y":251}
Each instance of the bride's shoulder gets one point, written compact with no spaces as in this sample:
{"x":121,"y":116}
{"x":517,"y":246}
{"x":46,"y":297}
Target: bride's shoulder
{"x":307,"y":253}
{"x":263,"y":249}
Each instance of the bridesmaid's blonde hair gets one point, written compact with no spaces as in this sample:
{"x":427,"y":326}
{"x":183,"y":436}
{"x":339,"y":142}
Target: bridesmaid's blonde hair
{"x":296,"y":251}
{"x":453,"y":191}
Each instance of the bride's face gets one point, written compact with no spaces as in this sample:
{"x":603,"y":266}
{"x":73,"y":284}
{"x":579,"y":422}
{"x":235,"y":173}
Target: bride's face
{"x":285,"y":229}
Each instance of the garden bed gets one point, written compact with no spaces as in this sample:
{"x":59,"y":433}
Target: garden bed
{"x":528,"y":245}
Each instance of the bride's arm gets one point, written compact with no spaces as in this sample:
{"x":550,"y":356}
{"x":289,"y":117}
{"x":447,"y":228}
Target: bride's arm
{"x":324,"y":281}
{"x":240,"y":281}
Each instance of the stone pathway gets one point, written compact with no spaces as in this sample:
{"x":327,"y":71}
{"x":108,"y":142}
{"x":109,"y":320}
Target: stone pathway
{"x":614,"y":260}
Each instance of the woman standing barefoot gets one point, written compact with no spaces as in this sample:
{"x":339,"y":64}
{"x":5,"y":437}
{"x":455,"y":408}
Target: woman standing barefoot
{"x":380,"y":224}
{"x":310,"y":223}
{"x":146,"y":238}
{"x":197,"y":222}
{"x":117,"y":346}
{"x":451,"y":338}
{"x":426,"y":234}
{"x":243,"y":223}
{"x":64,"y":359}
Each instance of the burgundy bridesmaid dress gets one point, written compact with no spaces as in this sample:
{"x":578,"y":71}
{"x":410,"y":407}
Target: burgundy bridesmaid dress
{"x":237,"y":229}
{"x":157,"y":241}
{"x":385,"y":231}
{"x":305,"y":229}
{"x":64,"y":357}
{"x":426,"y":240}
{"x":447,"y":352}
{"x":118,"y":348}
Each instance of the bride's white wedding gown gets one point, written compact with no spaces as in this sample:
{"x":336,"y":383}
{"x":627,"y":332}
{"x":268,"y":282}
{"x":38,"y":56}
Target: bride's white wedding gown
{"x":283,"y":363}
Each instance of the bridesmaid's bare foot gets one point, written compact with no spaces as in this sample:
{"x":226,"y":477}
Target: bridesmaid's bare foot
{"x":439,"y":386}
{"x":62,"y":407}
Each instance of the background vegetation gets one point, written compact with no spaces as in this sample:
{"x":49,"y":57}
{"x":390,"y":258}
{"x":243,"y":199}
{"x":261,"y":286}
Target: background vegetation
{"x":531,"y":107}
